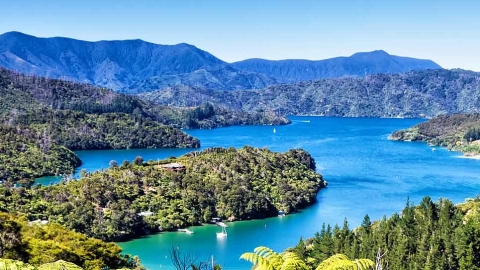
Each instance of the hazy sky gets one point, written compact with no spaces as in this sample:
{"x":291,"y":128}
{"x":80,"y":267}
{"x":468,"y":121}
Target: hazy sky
{"x":447,"y":32}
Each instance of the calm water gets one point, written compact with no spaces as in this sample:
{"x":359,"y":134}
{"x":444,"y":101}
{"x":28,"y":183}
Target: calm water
{"x":366,"y":174}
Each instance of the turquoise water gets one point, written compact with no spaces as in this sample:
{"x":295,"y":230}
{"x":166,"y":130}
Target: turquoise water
{"x":366,"y":174}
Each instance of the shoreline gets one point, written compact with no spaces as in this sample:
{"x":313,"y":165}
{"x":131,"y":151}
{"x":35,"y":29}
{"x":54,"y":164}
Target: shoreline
{"x":477,"y":157}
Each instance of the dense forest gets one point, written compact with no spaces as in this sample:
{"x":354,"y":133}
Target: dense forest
{"x":22,"y":94}
{"x":41,"y":244}
{"x":26,"y":154}
{"x":80,"y":131}
{"x":459,"y":132}
{"x":41,"y":120}
{"x":231,"y":184}
{"x":208,"y":116}
{"x":39,"y":142}
{"x":428,"y":236}
{"x":415,"y":94}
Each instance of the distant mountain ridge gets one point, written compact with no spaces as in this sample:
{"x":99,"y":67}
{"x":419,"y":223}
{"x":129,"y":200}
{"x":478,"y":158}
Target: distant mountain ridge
{"x":135,"y":66}
{"x":359,"y":64}
{"x":414,"y":94}
{"x":112,"y":64}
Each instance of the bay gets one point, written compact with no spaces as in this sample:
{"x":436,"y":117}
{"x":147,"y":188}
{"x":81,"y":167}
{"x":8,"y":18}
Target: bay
{"x":367,"y":174}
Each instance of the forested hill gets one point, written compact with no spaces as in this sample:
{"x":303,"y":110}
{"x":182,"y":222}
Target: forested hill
{"x":424,"y":93}
{"x":234,"y":184}
{"x":25,"y":154}
{"x":458,"y":132}
{"x":89,"y":117}
{"x":26,"y":93}
{"x":21,"y":94}
{"x":42,"y":120}
{"x":357,"y":65}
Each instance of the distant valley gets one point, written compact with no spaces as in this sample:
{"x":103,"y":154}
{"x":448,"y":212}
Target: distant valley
{"x":134,"y":66}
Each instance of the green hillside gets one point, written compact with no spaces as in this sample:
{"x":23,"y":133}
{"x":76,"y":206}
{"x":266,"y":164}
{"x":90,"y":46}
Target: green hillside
{"x":232,"y":184}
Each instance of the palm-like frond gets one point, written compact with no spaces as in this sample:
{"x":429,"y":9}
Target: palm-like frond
{"x":264,"y":258}
{"x":292,"y":262}
{"x":257,"y":260}
{"x":342,"y":262}
{"x":7,"y":264}
{"x":59,"y":265}
{"x":364,"y":264}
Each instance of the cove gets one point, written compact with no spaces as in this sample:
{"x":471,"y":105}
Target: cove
{"x":367,"y":174}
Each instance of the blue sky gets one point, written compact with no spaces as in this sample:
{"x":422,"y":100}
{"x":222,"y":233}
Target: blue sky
{"x":447,"y":32}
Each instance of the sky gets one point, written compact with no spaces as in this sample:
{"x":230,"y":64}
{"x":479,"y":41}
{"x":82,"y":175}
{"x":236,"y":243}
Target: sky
{"x":447,"y":32}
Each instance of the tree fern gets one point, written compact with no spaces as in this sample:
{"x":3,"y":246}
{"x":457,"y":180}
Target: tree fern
{"x":264,"y":258}
{"x":59,"y":265}
{"x":7,"y":264}
{"x":342,"y":262}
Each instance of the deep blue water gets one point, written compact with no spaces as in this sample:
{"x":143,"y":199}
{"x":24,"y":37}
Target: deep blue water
{"x":367,"y":174}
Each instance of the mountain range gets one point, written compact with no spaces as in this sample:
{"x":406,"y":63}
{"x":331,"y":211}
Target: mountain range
{"x":357,"y":65}
{"x":135,"y":66}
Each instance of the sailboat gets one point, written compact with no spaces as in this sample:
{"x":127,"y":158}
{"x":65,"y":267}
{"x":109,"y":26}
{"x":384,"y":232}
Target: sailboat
{"x":223,"y":233}
{"x":274,"y":130}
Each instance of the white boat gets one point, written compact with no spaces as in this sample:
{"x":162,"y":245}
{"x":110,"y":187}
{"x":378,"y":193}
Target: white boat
{"x":223,"y":233}
{"x":187,"y":231}
{"x":274,"y":130}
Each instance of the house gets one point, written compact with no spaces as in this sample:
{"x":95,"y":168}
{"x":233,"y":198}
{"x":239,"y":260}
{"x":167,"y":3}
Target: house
{"x":145,"y":213}
{"x":173,"y":166}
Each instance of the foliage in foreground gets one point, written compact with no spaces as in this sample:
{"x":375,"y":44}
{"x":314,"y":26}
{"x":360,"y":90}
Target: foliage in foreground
{"x":190,"y":261}
{"x":138,"y":198}
{"x":8,"y":264}
{"x":49,"y":245}
{"x":428,"y":236}
{"x":264,"y":258}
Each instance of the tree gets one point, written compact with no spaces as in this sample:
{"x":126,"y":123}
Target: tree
{"x":300,"y":249}
{"x":138,"y":160}
{"x":189,"y":261}
{"x":263,"y":258}
{"x":113,"y":163}
{"x":10,"y":238}
{"x":365,"y":237}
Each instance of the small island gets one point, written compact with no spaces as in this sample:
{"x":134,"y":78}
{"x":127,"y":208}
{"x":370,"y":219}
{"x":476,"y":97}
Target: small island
{"x":459,"y":132}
